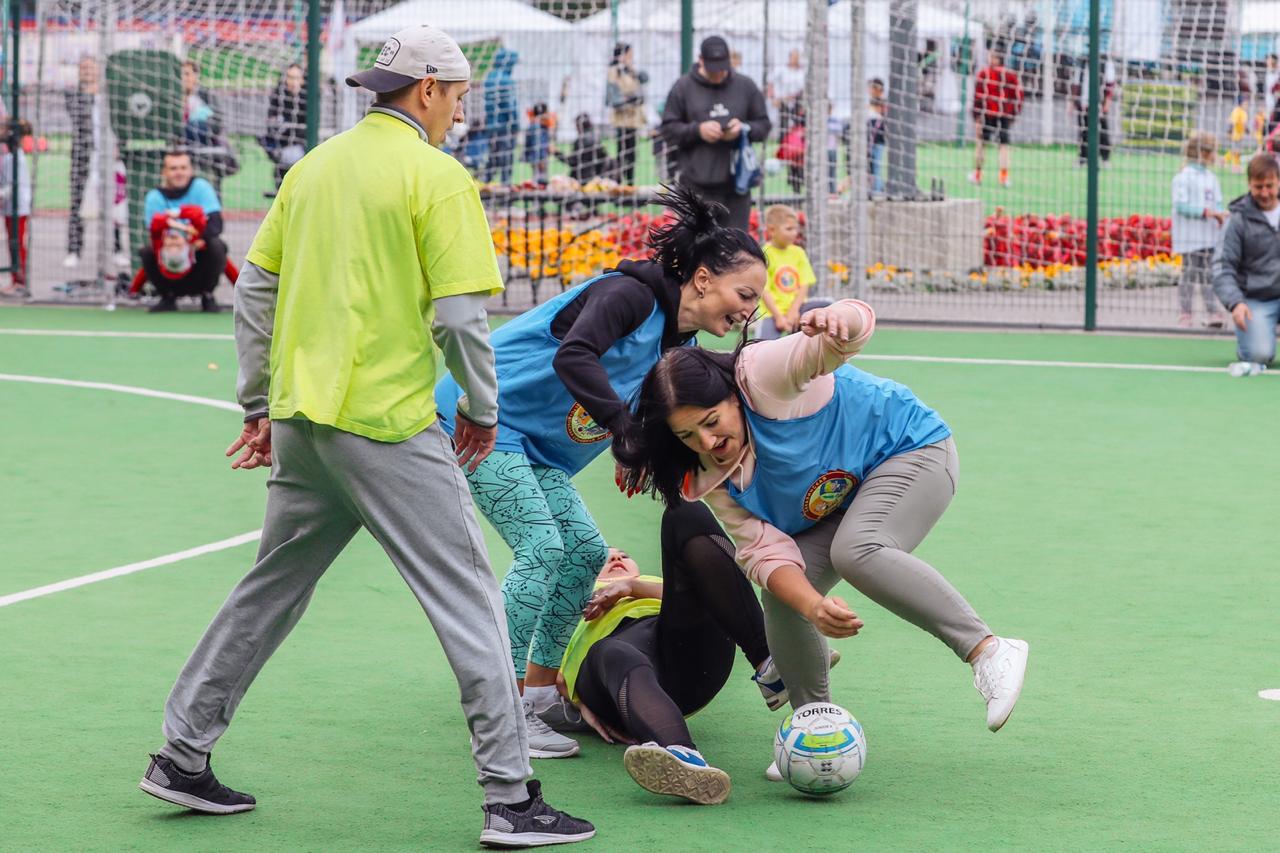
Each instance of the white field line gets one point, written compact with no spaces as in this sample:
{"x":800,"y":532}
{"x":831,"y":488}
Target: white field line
{"x":129,"y":569}
{"x":921,"y":359}
{"x":72,"y":333}
{"x":120,"y":571}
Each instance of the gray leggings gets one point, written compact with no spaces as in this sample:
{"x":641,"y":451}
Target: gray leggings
{"x":325,"y":485}
{"x":869,"y":545}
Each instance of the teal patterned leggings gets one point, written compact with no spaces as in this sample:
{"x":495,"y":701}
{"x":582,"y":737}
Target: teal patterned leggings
{"x":557,"y":550}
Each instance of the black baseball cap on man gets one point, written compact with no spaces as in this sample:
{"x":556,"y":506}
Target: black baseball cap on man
{"x":715,"y":54}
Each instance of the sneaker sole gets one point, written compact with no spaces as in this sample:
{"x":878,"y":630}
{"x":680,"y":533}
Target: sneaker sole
{"x":547,"y":753}
{"x":195,"y":803}
{"x":1016,"y":696}
{"x":493,"y":838}
{"x":660,"y":772}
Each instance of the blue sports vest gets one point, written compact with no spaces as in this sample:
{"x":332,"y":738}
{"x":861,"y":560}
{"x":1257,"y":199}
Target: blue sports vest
{"x":807,"y":468}
{"x":536,"y":414}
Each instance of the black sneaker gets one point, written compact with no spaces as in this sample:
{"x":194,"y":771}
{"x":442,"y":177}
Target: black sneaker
{"x":536,"y":826}
{"x":564,"y":717}
{"x":202,"y":792}
{"x":166,"y":303}
{"x":208,"y":304}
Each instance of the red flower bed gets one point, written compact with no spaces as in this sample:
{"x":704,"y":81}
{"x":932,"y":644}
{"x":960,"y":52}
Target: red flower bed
{"x":1040,"y":241}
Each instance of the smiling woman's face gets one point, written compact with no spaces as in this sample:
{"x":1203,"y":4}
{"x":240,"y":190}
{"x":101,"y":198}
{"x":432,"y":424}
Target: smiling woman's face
{"x":618,"y":566}
{"x":717,"y":431}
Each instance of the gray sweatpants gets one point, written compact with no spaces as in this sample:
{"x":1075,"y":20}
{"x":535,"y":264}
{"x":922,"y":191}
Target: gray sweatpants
{"x":325,"y":485}
{"x":869,"y":545}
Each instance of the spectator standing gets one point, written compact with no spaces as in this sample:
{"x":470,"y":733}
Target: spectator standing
{"x":537,"y":141}
{"x":997,"y":101}
{"x":1197,"y":219}
{"x":1081,"y":103}
{"x":587,"y":158}
{"x":501,"y":116}
{"x":286,"y":138}
{"x":15,"y":222}
{"x":1271,"y":84}
{"x":84,"y":108}
{"x":876,"y":139}
{"x":202,"y":127}
{"x":786,"y":91}
{"x":706,"y":112}
{"x":624,"y":95}
{"x":1246,"y":267}
{"x":1238,"y":134}
{"x":173,"y":206}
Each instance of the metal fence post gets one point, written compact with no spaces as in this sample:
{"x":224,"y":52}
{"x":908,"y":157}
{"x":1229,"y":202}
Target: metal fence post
{"x":1095,"y":103}
{"x":313,"y":73}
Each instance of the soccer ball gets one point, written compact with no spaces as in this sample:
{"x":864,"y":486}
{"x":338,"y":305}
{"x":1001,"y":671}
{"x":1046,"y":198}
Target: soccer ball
{"x":820,"y":748}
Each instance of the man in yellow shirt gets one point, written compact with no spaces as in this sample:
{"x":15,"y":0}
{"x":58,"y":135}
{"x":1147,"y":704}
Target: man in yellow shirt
{"x":376,"y":244}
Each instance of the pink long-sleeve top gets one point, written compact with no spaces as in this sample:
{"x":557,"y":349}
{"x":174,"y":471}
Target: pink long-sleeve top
{"x":782,"y":379}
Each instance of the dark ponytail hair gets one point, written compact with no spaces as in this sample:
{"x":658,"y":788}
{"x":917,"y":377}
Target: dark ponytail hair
{"x":691,"y":236}
{"x":656,"y":461}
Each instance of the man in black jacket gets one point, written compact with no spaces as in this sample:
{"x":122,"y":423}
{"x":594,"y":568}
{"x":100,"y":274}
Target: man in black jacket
{"x":706,"y":112}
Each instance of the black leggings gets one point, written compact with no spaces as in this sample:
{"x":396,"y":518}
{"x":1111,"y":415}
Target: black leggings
{"x":649,"y":673}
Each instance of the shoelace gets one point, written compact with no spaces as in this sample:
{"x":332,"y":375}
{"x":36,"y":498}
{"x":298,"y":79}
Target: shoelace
{"x":534,"y":723}
{"x":987,"y":677}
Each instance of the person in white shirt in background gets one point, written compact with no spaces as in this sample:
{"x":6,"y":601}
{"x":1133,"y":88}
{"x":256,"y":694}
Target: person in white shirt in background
{"x":1198,"y":217}
{"x":786,"y":91}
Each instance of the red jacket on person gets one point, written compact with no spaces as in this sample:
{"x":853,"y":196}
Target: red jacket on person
{"x":997,"y":92}
{"x":193,"y":214}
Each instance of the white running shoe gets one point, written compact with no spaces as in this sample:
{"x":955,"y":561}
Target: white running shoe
{"x":772,"y":773}
{"x":677,"y":771}
{"x":1246,"y":368}
{"x":545,"y":742}
{"x":975,"y":179}
{"x":998,"y":674}
{"x":71,"y":261}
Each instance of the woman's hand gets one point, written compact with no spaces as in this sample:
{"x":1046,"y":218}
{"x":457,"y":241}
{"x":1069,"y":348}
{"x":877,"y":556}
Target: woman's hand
{"x":606,"y":598}
{"x":832,"y":617}
{"x":607,"y":732}
{"x":824,"y":321}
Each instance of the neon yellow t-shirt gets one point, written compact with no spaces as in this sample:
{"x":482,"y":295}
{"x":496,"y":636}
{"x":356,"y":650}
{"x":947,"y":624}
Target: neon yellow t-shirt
{"x":587,"y":634}
{"x":1238,"y":119}
{"x":367,"y":230}
{"x":789,"y":270}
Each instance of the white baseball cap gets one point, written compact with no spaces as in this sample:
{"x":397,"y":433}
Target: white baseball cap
{"x":412,"y":54}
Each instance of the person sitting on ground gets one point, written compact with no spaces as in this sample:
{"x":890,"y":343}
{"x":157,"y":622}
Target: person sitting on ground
{"x":651,"y":651}
{"x":175,"y":204}
{"x":1246,"y":267}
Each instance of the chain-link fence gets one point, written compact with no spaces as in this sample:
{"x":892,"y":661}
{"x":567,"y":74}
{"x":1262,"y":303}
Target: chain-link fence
{"x":944,"y":180}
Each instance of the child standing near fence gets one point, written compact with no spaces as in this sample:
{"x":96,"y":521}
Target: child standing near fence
{"x":1238,"y":133}
{"x":1197,"y":220}
{"x":789,"y":274}
{"x":16,"y":207}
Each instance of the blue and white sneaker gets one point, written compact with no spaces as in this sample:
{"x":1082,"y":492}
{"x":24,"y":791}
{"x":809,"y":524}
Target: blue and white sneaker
{"x":771,"y":685}
{"x":677,"y":771}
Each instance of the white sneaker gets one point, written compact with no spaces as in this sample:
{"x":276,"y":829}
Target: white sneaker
{"x":71,"y":261}
{"x":772,"y":773}
{"x":545,"y":742}
{"x":1246,"y":368}
{"x":975,"y":179}
{"x":677,"y":771}
{"x":998,"y":674}
{"x":122,"y":261}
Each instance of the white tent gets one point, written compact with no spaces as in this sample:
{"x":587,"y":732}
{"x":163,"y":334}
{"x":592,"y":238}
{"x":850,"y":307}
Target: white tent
{"x":1262,"y":16}
{"x":652,"y":28}
{"x":543,"y":41}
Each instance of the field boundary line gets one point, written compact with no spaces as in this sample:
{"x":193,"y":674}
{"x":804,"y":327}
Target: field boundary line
{"x":76,"y":333}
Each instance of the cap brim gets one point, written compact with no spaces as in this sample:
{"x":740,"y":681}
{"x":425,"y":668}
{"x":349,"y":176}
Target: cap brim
{"x":717,"y":64}
{"x":380,"y":80}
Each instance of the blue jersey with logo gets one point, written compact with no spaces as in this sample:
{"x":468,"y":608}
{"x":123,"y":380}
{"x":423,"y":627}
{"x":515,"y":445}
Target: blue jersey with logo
{"x":809,"y":467}
{"x":199,"y":192}
{"x":536,"y":414}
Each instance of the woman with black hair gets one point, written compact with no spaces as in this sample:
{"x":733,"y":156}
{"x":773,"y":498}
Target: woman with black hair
{"x":286,"y":138}
{"x":819,"y":472}
{"x":565,"y":371}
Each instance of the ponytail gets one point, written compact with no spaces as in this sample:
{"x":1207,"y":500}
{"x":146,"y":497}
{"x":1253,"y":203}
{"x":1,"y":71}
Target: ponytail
{"x":691,"y":236}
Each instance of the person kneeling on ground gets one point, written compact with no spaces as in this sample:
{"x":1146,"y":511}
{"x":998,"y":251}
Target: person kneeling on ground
{"x":180,"y":201}
{"x":647,"y":654}
{"x":1246,"y":267}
